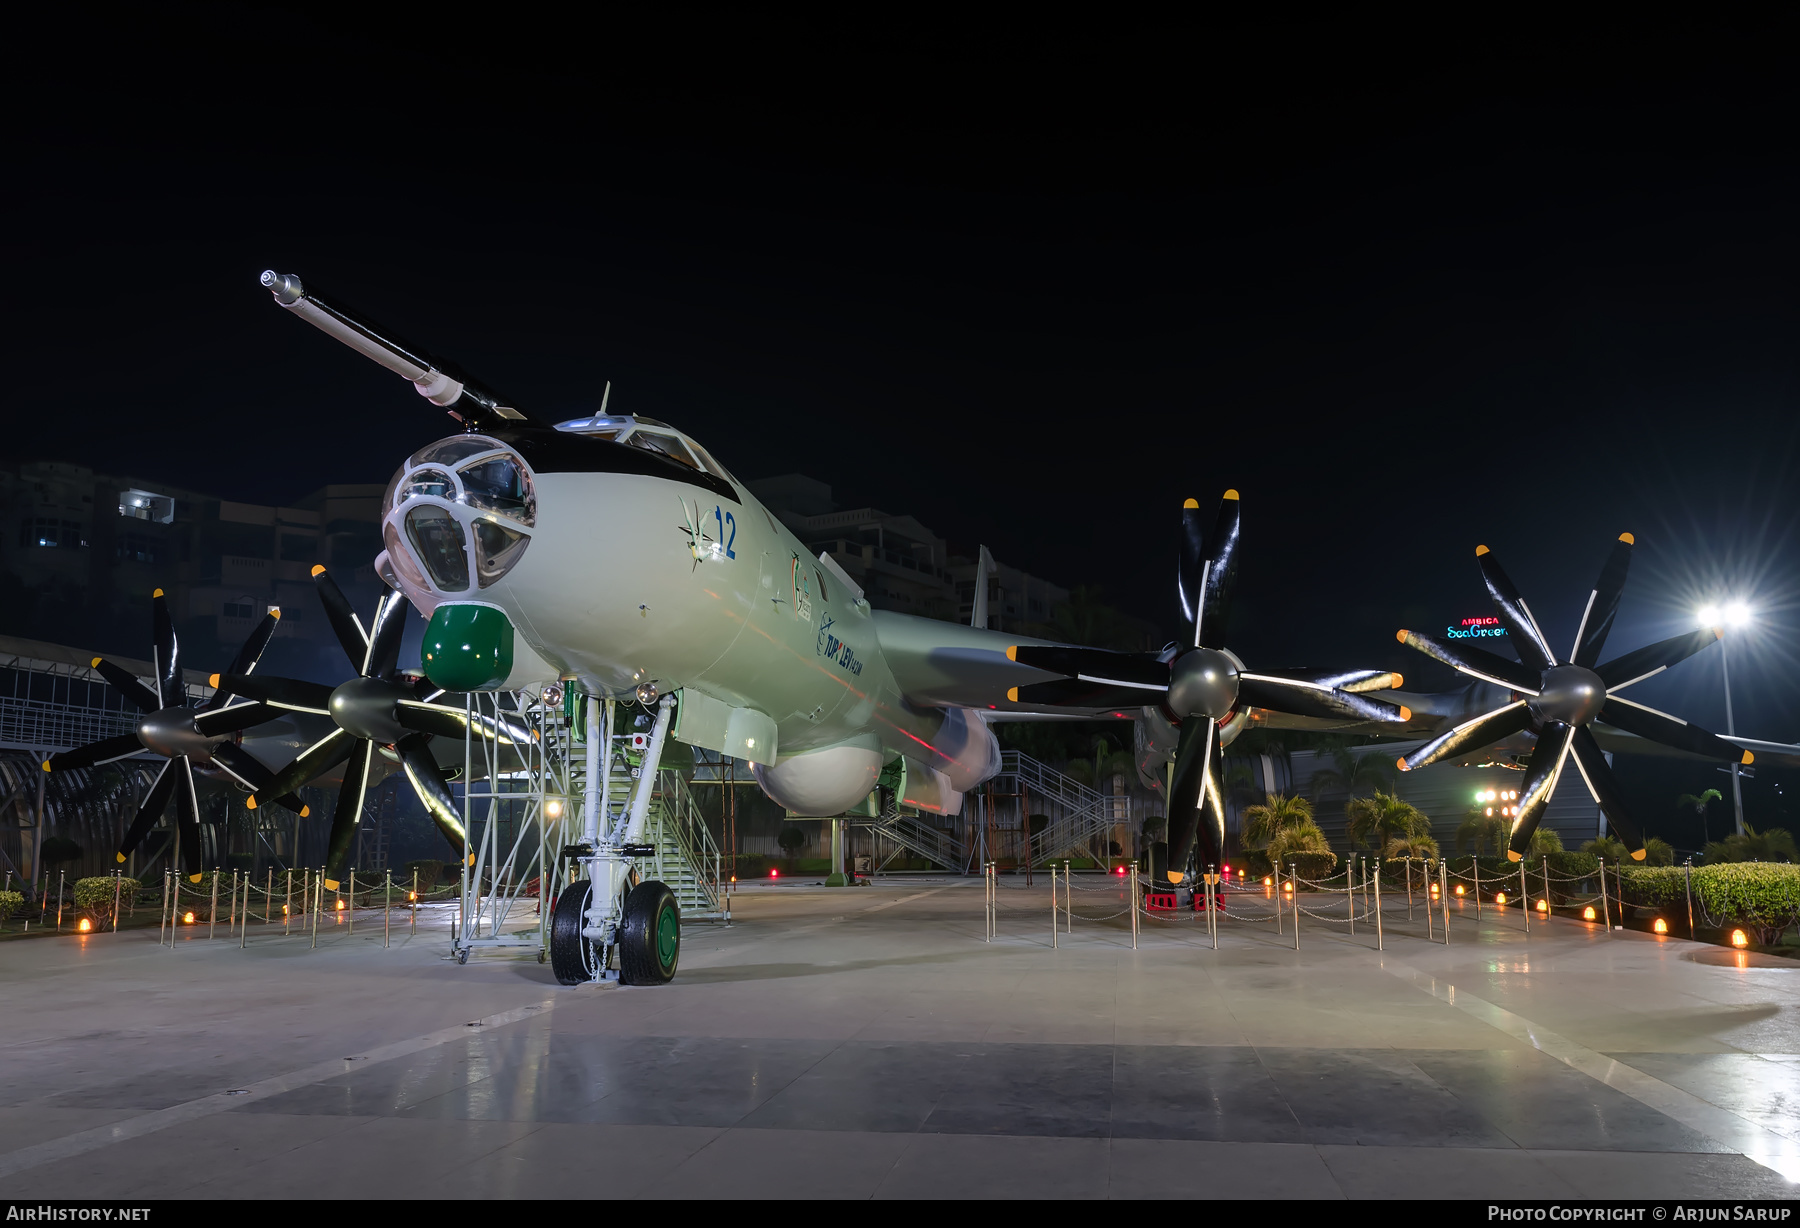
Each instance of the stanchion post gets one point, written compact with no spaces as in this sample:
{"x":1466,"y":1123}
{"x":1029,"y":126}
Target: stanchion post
{"x":212,"y":916}
{"x":1605,"y":907}
{"x":1380,"y":944}
{"x":1688,"y":877}
{"x":316,"y":904}
{"x":1294,"y":878}
{"x":1055,"y":921}
{"x":1549,"y":904}
{"x":415,"y":903}
{"x":1409,"y":903}
{"x":161,"y":916}
{"x":1525,"y":897}
{"x":231,"y":918}
{"x":269,"y":899}
{"x":62,"y":876}
{"x":1068,"y":898}
{"x":1444,"y":891}
{"x":287,"y":901}
{"x":387,"y":910}
{"x":1276,"y":879}
{"x":118,"y":887}
{"x":1134,"y":904}
{"x":1475,"y":867}
{"x":1350,"y":891}
{"x":352,"y":901}
{"x":1425,"y":877}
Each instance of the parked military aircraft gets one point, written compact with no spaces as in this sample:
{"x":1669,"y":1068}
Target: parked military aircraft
{"x":613,"y":551}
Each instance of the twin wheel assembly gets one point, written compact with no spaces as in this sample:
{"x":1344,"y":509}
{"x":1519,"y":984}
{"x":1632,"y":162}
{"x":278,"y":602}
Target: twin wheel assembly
{"x":649,"y":946}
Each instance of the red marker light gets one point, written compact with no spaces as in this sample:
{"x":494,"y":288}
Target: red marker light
{"x":774,"y":873}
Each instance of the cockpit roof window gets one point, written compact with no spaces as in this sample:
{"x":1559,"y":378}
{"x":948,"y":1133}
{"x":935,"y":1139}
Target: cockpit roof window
{"x":650,"y":435}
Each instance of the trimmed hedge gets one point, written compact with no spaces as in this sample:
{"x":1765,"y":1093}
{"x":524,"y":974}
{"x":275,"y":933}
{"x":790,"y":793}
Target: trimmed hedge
{"x":10,"y":903}
{"x":95,"y":895}
{"x":1762,"y":895}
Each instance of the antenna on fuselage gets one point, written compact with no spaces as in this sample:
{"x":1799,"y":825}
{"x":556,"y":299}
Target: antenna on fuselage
{"x":605,"y":397}
{"x":984,"y":568}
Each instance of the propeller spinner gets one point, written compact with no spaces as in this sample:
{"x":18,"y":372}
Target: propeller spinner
{"x":1560,"y":700}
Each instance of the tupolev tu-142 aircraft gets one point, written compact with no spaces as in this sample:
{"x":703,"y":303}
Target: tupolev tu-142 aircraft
{"x":613,"y":552}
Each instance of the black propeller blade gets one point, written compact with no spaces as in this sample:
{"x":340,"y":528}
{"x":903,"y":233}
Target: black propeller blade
{"x":141,"y":697}
{"x":1591,"y":761}
{"x":1312,"y":699}
{"x":247,"y":656}
{"x":1670,"y":731}
{"x":384,"y":636}
{"x":1095,"y":664}
{"x":342,"y":618}
{"x":248,"y":771}
{"x":348,"y":814}
{"x":1528,"y":640}
{"x":105,"y":750}
{"x":168,"y":654}
{"x":1218,"y":576}
{"x":1647,"y":662}
{"x":1078,"y":693}
{"x":314,"y":761}
{"x":1603,"y":604}
{"x":1475,"y":662}
{"x":294,"y":694}
{"x":1500,"y":723}
{"x":422,"y":771}
{"x":1192,"y":751}
{"x":155,"y":802}
{"x":230,"y":720}
{"x":1540,"y":783}
{"x":187,"y":811}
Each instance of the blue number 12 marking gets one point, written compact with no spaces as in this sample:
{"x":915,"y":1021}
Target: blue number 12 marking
{"x":726,"y":520}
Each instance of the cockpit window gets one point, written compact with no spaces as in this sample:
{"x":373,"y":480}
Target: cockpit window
{"x":497,"y":548}
{"x":499,"y":484}
{"x":663,"y":445}
{"x":460,"y":447}
{"x":439,"y":542}
{"x":434,"y":482}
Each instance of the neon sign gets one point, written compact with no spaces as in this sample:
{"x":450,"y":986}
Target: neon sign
{"x":1475,"y":628}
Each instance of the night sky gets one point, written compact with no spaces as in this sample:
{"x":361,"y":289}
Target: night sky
{"x":1408,"y":289}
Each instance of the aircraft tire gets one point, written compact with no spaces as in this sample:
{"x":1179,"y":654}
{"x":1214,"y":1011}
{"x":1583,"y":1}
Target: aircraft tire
{"x":573,"y":958}
{"x":650,"y":939}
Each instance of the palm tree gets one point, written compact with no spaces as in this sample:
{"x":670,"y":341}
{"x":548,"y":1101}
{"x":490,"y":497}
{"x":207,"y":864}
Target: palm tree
{"x":1353,"y":772}
{"x":1544,"y":840}
{"x":1412,"y":848}
{"x":1700,"y":802}
{"x":1610,"y":847}
{"x":1263,"y":824}
{"x":1771,"y":844}
{"x":1387,"y":818}
{"x":1659,"y":852}
{"x":1301,"y":837}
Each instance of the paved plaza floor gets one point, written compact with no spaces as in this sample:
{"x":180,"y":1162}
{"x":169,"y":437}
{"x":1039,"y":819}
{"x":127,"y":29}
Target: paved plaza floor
{"x":868,"y":1042}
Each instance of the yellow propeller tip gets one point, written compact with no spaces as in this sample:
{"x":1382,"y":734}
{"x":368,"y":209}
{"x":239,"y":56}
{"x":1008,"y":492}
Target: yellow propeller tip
{"x":1398,"y":682}
{"x":331,"y":884}
{"x":318,"y":570}
{"x":1512,"y":856}
{"x":1176,"y":876}
{"x":471,"y":859}
{"x":1405,"y":713}
{"x":1402,"y":634}
{"x":47,"y":765}
{"x":1748,"y":758}
{"x":1628,"y":539}
{"x":1640,"y":854}
{"x":1401,"y":764}
{"x":95,"y":663}
{"x":156,"y":594}
{"x":1231,"y":494}
{"x":1012,"y":652}
{"x":250,"y":802}
{"x":1189,"y":503}
{"x":1480,"y":550}
{"x":120,"y":856}
{"x":1012,"y":694}
{"x":306,"y":812}
{"x":194,"y":878}
{"x":213,"y":682}
{"x":275,"y":613}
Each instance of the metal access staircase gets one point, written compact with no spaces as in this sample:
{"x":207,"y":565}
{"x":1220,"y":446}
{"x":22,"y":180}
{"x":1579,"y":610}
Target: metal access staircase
{"x":1078,"y":816}
{"x":912,"y":834}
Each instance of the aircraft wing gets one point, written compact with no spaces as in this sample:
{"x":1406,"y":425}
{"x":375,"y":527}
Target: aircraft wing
{"x":947,"y":665}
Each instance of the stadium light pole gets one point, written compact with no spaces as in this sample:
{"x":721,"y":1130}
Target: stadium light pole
{"x":1733,"y":614}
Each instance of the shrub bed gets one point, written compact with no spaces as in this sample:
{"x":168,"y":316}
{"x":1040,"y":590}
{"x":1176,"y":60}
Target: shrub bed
{"x":1760,"y":895}
{"x":10,"y":903}
{"x":94,"y":896}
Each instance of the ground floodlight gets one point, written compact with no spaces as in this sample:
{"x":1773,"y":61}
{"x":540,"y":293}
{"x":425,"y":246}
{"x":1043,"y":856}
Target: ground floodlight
{"x":1459,"y":889}
{"x":1739,"y":938}
{"x":1587,"y":914}
{"x":1543,"y":905}
{"x":1660,"y":926}
{"x":1500,"y":899}
{"x":85,"y":925}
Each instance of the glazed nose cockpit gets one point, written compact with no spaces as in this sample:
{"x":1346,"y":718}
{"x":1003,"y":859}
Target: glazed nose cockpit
{"x":457,"y":517}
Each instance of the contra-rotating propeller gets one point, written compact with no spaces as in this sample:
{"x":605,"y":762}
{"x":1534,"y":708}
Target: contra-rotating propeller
{"x":1202,"y":686}
{"x":1560,"y":700}
{"x":180,"y":734}
{"x":378,"y":707}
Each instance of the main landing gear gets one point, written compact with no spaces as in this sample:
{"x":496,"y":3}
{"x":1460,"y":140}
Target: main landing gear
{"x":649,"y":946}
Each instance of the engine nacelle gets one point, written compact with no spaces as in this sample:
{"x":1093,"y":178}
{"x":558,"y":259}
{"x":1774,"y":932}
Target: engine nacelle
{"x":822,"y":782}
{"x":971,"y":752}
